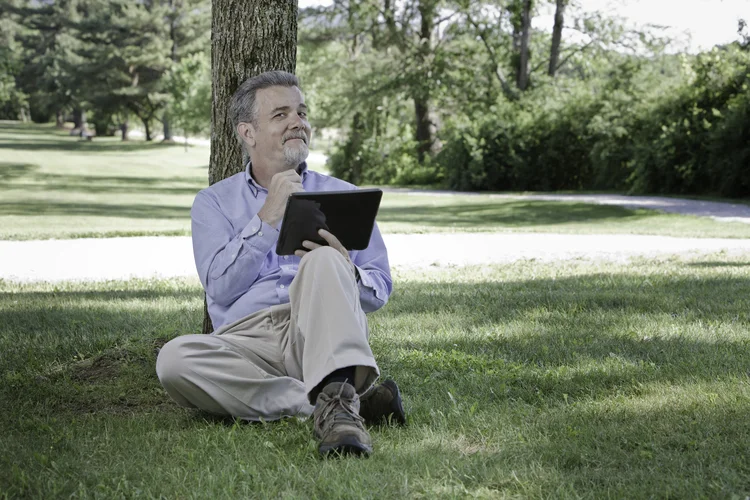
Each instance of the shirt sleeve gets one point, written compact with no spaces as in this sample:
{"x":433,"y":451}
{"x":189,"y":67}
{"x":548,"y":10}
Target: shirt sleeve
{"x":228,"y":261}
{"x":375,"y":284}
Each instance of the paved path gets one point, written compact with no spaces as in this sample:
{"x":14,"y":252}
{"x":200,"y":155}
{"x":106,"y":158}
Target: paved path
{"x":122,"y":258}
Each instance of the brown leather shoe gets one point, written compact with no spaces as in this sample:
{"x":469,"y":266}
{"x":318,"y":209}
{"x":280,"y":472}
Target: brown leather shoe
{"x":337,"y":423}
{"x":382,"y":404}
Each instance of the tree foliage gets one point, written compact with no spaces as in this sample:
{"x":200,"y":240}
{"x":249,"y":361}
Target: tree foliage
{"x":515,"y":107}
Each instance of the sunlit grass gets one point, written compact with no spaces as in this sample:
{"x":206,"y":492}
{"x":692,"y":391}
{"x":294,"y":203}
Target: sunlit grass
{"x":56,"y":186}
{"x":574,"y":379}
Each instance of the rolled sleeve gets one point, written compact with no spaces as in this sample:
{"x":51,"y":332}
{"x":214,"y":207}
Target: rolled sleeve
{"x":375,"y":283}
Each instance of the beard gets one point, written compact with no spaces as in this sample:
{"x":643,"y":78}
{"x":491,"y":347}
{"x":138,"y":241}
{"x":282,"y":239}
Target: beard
{"x":295,"y":152}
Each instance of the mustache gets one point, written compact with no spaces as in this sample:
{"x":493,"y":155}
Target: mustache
{"x":295,"y":135}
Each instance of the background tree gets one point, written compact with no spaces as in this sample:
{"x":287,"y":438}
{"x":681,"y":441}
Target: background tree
{"x":189,"y":23}
{"x":189,"y":85}
{"x":249,"y":38}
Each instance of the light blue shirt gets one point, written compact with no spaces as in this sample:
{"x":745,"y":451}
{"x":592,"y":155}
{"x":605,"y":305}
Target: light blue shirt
{"x":235,"y":252}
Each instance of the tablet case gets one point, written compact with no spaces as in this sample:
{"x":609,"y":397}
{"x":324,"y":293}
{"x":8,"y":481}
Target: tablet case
{"x":348,"y":215}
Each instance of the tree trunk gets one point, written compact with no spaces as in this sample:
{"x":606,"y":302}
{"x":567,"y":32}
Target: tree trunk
{"x":147,"y":126}
{"x":173,"y":57}
{"x":522,"y":76}
{"x":248,"y":37}
{"x":79,"y":118}
{"x":424,"y":133}
{"x":167,"y":128}
{"x":124,"y":130}
{"x":554,"y":54}
{"x":59,"y":119}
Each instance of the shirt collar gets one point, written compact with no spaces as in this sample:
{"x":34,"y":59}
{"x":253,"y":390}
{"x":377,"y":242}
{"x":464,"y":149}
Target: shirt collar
{"x":255,"y":187}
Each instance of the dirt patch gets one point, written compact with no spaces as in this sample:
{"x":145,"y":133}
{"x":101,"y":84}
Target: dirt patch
{"x":103,"y":367}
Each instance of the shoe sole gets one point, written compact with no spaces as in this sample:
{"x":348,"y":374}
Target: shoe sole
{"x":347,"y":446}
{"x":397,"y":406}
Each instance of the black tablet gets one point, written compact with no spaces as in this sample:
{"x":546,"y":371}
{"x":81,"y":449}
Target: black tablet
{"x":348,"y":215}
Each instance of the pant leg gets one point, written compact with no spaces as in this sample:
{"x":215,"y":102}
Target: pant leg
{"x":238,"y":371}
{"x":328,"y":326}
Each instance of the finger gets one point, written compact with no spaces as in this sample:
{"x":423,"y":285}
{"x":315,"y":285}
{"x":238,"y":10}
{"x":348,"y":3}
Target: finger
{"x":290,"y":175}
{"x":300,"y":253}
{"x":311,"y":244}
{"x":331,"y":239}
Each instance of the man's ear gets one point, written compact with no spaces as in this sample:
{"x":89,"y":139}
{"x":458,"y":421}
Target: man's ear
{"x":247,"y":132}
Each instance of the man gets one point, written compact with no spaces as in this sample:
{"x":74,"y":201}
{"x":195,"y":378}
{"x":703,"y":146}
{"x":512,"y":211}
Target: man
{"x":290,"y":332}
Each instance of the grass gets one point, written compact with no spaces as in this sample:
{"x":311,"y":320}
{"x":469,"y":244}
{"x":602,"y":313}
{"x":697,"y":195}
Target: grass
{"x":56,"y":186}
{"x":573,"y":379}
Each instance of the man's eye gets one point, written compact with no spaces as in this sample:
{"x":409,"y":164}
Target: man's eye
{"x":279,"y":115}
{"x":303,"y":114}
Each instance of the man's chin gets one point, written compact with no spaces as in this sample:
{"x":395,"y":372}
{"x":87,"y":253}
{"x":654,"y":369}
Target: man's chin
{"x":296,"y":155}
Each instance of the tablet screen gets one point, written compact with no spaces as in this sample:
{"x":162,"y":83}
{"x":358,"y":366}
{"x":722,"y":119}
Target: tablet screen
{"x":348,"y":215}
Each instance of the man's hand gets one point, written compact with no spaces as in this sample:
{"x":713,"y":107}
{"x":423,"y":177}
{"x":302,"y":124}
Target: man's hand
{"x":282,"y":185}
{"x":333,"y":242}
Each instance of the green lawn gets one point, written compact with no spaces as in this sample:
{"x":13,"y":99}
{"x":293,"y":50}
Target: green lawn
{"x":56,"y":186}
{"x":592,"y":380}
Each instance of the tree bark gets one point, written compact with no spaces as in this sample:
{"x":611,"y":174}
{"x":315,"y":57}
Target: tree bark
{"x":522,"y":80}
{"x":554,"y":54}
{"x":167,"y":127}
{"x":173,"y":57}
{"x":124,"y":130}
{"x":147,"y":126}
{"x":59,"y":119}
{"x":424,"y":133}
{"x":248,"y":37}
{"x":79,"y":118}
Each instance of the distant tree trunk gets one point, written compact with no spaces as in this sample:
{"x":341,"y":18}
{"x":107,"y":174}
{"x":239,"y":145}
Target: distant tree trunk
{"x":79,"y":118}
{"x":554,"y":54}
{"x":124,"y":130}
{"x":59,"y":119}
{"x":352,"y":148}
{"x":248,"y":37}
{"x":147,"y":126}
{"x":173,"y":57}
{"x":522,"y":75}
{"x":424,"y":130}
{"x":167,"y":128}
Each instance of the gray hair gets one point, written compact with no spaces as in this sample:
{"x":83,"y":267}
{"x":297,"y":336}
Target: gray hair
{"x":242,"y":106}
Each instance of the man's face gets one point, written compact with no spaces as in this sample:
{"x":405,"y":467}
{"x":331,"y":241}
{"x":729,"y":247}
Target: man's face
{"x":282,"y":134}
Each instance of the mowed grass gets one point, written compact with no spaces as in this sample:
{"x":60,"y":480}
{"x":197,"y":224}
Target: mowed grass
{"x":56,"y":186}
{"x":566,"y":380}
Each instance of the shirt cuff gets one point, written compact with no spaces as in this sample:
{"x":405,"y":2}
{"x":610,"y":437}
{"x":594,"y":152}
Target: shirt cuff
{"x":364,"y":279}
{"x":256,"y":228}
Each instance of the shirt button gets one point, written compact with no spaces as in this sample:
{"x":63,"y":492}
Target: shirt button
{"x":281,"y":286}
{"x":260,"y":233}
{"x":286,"y":257}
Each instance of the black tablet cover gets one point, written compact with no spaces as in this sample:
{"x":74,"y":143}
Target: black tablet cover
{"x":348,"y":215}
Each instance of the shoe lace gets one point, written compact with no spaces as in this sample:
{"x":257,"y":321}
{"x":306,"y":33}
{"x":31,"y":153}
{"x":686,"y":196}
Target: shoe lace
{"x":342,"y":410}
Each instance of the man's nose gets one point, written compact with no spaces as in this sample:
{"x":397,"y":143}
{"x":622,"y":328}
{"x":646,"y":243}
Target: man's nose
{"x":297,"y":122}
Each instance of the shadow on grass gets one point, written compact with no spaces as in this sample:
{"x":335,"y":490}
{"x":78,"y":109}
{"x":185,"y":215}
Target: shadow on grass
{"x":718,"y":264}
{"x":140,"y":211}
{"x":507,"y":213}
{"x":95,"y":146}
{"x":113,"y":185}
{"x":571,"y":331}
{"x":560,"y":361}
{"x":35,"y":129}
{"x":10,"y":171}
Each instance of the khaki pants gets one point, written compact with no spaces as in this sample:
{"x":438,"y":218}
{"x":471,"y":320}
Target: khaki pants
{"x":264,"y":366}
